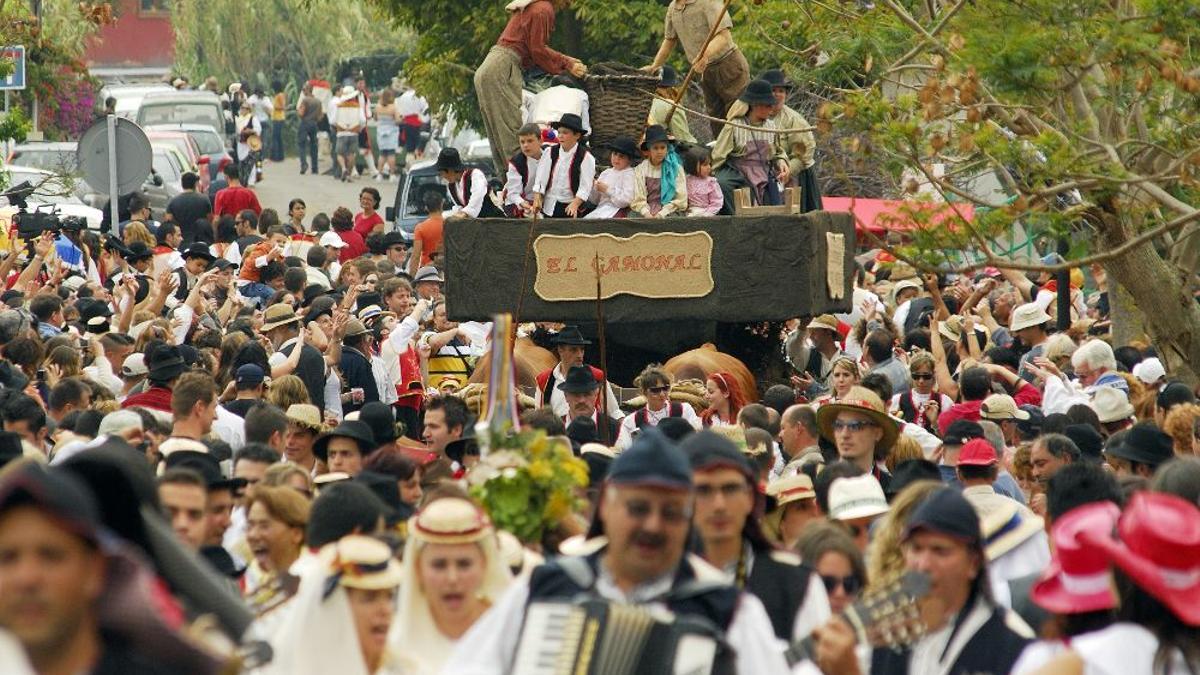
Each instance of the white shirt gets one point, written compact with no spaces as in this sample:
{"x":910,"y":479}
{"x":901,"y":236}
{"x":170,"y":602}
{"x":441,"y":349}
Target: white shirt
{"x":409,"y":103}
{"x":620,"y":184}
{"x":230,"y":428}
{"x":557,"y":187}
{"x":1121,"y":649}
{"x":517,"y":191}
{"x":479,"y":192}
{"x":384,"y":384}
{"x":489,"y":647}
{"x":653,"y":417}
{"x":558,"y":400}
{"x":262,"y":106}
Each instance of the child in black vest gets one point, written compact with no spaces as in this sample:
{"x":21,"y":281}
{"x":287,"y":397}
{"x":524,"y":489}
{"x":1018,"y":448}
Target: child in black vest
{"x":564,"y":180}
{"x":522,"y":170}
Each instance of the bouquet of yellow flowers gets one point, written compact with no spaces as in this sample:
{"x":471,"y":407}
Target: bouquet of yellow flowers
{"x":528,"y":483}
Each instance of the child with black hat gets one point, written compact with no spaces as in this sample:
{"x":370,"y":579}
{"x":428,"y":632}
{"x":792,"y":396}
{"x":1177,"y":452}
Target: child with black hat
{"x":751,"y":155}
{"x":660,"y":184}
{"x":565,"y":179}
{"x":613,"y":190}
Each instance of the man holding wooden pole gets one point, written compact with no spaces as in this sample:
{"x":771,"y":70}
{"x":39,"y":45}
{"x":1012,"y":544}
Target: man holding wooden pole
{"x":702,"y":27}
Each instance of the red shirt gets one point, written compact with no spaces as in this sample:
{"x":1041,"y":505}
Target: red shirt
{"x":429,"y":233}
{"x":154,"y":398}
{"x":355,"y":246}
{"x":365,"y":224}
{"x":967,"y":410}
{"x":528,"y":32}
{"x":231,"y":200}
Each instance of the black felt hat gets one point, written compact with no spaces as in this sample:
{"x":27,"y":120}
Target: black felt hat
{"x":758,"y":92}
{"x":625,"y":146}
{"x":381,"y":419}
{"x":449,"y":160}
{"x":358,"y":432}
{"x":570,"y":335}
{"x":198,"y":250}
{"x":570,"y":121}
{"x":580,"y":380}
{"x":776,"y":78}
{"x":138,"y":251}
{"x":1145,"y":444}
{"x":1087,"y":439}
{"x":204,"y":464}
{"x":669,"y":77}
{"x":464,"y":445}
{"x":655,"y":133}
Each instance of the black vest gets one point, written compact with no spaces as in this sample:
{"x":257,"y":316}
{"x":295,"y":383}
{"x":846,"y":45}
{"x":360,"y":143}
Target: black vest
{"x":311,"y":371}
{"x":813,"y":367}
{"x":642,"y":417}
{"x":992,"y":650}
{"x":487,"y":210}
{"x":575,"y":170}
{"x":520,"y":162}
{"x":781,"y":587}
{"x":714,"y":602}
{"x":244,"y":244}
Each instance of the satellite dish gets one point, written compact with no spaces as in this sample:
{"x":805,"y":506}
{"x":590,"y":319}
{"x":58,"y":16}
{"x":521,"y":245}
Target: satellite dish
{"x":133,"y":153}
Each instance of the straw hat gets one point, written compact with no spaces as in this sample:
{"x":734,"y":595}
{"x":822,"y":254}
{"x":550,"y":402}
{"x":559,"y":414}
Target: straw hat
{"x":1001,"y":407}
{"x":450,"y":520}
{"x":859,"y":400}
{"x":305,"y":415}
{"x":278,"y":316}
{"x":1028,"y":315}
{"x":1111,"y":405}
{"x":1006,"y":525}
{"x":791,"y":489}
{"x":826,"y":321}
{"x":362,"y":562}
{"x":857,"y":497}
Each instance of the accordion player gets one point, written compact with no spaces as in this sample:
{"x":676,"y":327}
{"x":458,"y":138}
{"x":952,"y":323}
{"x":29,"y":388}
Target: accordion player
{"x":598,"y":637}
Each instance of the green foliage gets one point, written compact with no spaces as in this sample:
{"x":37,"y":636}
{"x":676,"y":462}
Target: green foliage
{"x":528,"y":483}
{"x":276,"y":39}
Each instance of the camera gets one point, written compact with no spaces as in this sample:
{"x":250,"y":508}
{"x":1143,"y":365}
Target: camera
{"x":31,"y":224}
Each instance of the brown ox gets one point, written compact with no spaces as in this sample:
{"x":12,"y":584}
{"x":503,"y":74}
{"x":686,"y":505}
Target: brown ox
{"x":699,"y":363}
{"x":529,"y":359}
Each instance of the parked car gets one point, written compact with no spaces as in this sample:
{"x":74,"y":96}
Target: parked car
{"x":60,"y":158}
{"x":210,"y":143}
{"x":408,"y":206}
{"x":129,"y":97}
{"x":166,"y":181}
{"x":53,"y":189}
{"x":182,"y":107}
{"x":196,"y":161}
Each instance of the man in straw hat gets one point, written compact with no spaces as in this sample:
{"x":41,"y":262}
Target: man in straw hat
{"x":727,"y":521}
{"x":304,"y":425}
{"x":860,"y":427}
{"x":751,"y":154}
{"x":721,"y":67}
{"x":814,"y":356}
{"x":970,"y":633}
{"x":644,"y":512}
{"x":1030,"y":324}
{"x":499,"y":80}
{"x":281,"y":325}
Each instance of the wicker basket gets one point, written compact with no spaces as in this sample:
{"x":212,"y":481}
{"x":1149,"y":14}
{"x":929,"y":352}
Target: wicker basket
{"x":619,"y":98}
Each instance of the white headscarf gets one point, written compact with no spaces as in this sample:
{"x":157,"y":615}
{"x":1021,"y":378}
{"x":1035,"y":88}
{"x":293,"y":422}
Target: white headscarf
{"x":414,"y":636}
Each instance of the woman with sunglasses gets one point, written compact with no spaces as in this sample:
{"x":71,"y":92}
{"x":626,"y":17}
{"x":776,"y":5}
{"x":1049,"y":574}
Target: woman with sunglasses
{"x":830,"y":551}
{"x":655,"y":384}
{"x":921,"y":404}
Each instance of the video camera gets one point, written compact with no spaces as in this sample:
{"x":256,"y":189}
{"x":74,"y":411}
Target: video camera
{"x":31,"y":224}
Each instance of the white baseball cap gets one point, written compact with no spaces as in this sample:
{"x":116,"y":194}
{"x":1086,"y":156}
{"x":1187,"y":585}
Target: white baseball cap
{"x":1150,"y":370}
{"x":332,"y":239}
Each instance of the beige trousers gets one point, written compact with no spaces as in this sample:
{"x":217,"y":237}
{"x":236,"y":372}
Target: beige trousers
{"x":498,"y":85}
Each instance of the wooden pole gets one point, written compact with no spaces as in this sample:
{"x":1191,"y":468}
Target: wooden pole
{"x":712,"y":33}
{"x":602,"y":418}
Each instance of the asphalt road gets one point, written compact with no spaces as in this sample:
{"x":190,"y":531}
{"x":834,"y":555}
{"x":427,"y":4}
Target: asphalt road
{"x":282,"y":182}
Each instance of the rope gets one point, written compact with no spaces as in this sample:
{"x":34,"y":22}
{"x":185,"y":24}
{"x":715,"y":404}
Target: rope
{"x":736,"y":125}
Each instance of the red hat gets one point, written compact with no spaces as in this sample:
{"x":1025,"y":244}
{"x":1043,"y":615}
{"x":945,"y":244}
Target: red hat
{"x":1078,"y":579}
{"x":977,"y":452}
{"x":1159,"y":549}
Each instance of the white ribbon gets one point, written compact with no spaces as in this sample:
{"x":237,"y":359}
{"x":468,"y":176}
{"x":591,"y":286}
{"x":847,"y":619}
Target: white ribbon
{"x":1085,"y":584}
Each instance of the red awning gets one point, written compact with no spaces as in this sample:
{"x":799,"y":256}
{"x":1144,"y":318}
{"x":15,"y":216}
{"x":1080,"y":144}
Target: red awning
{"x":883,"y":215}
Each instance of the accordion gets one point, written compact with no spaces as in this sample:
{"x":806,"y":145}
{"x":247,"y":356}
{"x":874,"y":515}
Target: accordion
{"x":595,"y":637}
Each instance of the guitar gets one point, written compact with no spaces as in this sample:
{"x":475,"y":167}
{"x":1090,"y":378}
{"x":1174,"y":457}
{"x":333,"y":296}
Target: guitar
{"x":888,"y":616}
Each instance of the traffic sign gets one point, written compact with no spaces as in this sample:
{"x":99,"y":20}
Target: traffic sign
{"x":15,"y":79}
{"x":131,"y":149}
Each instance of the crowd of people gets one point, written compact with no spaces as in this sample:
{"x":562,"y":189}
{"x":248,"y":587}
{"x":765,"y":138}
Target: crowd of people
{"x":243,"y":441}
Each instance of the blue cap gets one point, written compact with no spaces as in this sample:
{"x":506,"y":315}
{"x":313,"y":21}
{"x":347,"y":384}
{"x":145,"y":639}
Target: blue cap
{"x":249,"y":374}
{"x":652,"y":459}
{"x":946,"y":511}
